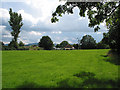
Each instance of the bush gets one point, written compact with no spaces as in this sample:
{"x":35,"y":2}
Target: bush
{"x":22,"y":48}
{"x":8,"y":48}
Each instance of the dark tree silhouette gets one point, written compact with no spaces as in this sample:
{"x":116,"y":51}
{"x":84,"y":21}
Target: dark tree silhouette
{"x":88,"y":42}
{"x":15,"y":23}
{"x":46,"y":43}
{"x":63,"y":44}
{"x":21,"y":43}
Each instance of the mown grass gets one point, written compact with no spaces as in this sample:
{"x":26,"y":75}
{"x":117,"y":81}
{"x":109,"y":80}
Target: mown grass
{"x":58,"y":68}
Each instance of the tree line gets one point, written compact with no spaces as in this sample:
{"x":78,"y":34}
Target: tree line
{"x":87,"y":42}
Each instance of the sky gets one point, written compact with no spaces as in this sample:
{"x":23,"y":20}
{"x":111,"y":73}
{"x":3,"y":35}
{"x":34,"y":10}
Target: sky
{"x":37,"y":16}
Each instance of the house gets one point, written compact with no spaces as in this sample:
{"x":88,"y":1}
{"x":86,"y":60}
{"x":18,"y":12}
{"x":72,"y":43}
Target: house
{"x":68,"y":47}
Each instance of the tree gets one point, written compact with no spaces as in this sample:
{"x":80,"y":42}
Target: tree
{"x":76,"y":46}
{"x":88,"y":42}
{"x":21,"y":43}
{"x":13,"y":45}
{"x":114,"y":31}
{"x":15,"y":23}
{"x":101,"y":45}
{"x":97,"y":12}
{"x":58,"y":46}
{"x":63,"y":44}
{"x":46,"y":43}
{"x":1,"y":45}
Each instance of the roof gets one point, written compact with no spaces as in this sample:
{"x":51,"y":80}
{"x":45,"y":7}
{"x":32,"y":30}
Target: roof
{"x":68,"y":46}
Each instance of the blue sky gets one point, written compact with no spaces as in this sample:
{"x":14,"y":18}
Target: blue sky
{"x":36,"y":18}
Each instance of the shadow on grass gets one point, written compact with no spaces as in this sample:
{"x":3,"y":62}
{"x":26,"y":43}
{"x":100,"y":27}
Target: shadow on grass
{"x":29,"y":85}
{"x":81,"y":80}
{"x":89,"y":81}
{"x":114,"y":60}
{"x":112,"y":57}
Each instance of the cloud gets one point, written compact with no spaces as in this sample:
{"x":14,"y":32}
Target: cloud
{"x":4,"y":16}
{"x":28,"y":17}
{"x":35,"y":33}
{"x":4,"y":32}
{"x":4,"y":13}
{"x":5,"y":35}
{"x":46,"y":7}
{"x":99,"y":32}
{"x":81,"y":18}
{"x":59,"y":32}
{"x":2,"y":28}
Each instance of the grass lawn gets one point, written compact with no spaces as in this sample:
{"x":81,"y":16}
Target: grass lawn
{"x":58,"y":68}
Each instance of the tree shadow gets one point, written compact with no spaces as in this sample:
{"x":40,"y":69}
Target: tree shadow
{"x":104,"y":55}
{"x":89,"y":81}
{"x":114,"y":60}
{"x":112,"y":57}
{"x":82,"y":80}
{"x":84,"y":74}
{"x":30,"y":86}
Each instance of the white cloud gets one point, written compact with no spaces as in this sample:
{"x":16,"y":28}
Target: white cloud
{"x":5,"y":32}
{"x":6,"y":42}
{"x":99,"y":32}
{"x":28,"y":17}
{"x":85,"y":34}
{"x":35,"y":33}
{"x":59,"y":32}
{"x":45,"y":7}
{"x":7,"y":36}
{"x":81,"y":18}
{"x":2,"y":27}
{"x":4,"y":14}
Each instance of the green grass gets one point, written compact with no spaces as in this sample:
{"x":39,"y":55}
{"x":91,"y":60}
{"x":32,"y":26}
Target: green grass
{"x":58,"y":68}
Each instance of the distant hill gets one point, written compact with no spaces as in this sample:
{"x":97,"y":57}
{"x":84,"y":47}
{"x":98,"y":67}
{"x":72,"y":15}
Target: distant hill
{"x":31,"y":44}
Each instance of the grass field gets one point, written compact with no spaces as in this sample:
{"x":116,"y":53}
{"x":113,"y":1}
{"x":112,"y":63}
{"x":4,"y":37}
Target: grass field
{"x":58,"y":68}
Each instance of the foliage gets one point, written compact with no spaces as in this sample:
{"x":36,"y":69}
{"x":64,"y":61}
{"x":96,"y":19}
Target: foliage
{"x":23,"y":48}
{"x":64,"y":43}
{"x":15,"y":23}
{"x":46,"y":43}
{"x":76,"y":46}
{"x":113,"y":36}
{"x":88,"y":42}
{"x":1,"y":45}
{"x":21,"y":43}
{"x":13,"y":44}
{"x":58,"y":46}
{"x":102,"y":45}
{"x":97,"y":12}
{"x":34,"y":47}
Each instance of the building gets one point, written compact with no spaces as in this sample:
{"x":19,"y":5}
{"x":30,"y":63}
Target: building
{"x":69,"y":47}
